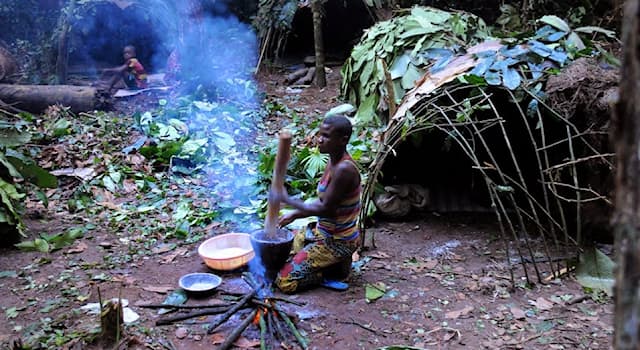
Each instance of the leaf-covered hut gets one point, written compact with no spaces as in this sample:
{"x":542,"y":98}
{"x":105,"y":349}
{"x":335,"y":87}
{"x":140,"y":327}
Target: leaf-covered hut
{"x":462,"y":110}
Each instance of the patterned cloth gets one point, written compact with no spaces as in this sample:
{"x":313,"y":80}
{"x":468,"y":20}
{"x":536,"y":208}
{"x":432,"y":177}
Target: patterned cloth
{"x":330,"y":246}
{"x":135,"y":76}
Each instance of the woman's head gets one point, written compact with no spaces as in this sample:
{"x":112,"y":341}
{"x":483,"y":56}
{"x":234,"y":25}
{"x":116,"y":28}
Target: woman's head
{"x":334,"y":134}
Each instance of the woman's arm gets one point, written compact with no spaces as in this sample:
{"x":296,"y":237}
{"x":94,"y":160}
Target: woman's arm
{"x":343,"y":181}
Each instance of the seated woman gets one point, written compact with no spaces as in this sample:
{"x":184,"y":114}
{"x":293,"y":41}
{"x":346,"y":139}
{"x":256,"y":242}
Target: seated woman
{"x":326,"y":258}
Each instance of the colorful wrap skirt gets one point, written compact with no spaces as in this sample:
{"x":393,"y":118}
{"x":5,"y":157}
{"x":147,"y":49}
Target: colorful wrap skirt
{"x":316,"y":257}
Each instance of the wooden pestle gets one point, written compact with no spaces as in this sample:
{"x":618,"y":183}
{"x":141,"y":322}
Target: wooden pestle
{"x":279,"y":171}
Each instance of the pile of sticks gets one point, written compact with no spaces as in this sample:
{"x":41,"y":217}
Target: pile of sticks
{"x":275,"y":325}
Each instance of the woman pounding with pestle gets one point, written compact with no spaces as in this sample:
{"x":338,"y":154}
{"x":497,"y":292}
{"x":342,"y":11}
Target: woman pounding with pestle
{"x":325,"y":258}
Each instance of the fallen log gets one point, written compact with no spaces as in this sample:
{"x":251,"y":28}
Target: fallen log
{"x":36,"y":98}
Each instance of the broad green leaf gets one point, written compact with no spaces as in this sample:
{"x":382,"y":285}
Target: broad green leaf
{"x":109,"y":184}
{"x":592,"y":29}
{"x":344,"y":109}
{"x":367,"y":71}
{"x":399,"y":66}
{"x":177,"y":297}
{"x":574,"y":41}
{"x":182,"y":211}
{"x":595,"y":270}
{"x":10,"y":137}
{"x":11,"y":312}
{"x":61,"y":127}
{"x":412,"y":75}
{"x":7,"y":164}
{"x":492,"y":77}
{"x":224,"y":141}
{"x":191,"y":147}
{"x":9,"y":273}
{"x":34,"y":174}
{"x":366,"y":110}
{"x":375,"y":291}
{"x":556,"y":22}
{"x":430,"y":15}
{"x":8,"y":192}
{"x":419,"y":31}
{"x":510,"y":78}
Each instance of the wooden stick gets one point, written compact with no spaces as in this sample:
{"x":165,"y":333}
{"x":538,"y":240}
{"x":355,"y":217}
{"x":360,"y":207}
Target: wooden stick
{"x":277,"y":326}
{"x":301,"y":340}
{"x":277,"y":182}
{"x":263,"y":329}
{"x":231,"y":338}
{"x":212,"y":327}
{"x":188,"y":315}
{"x":165,"y":306}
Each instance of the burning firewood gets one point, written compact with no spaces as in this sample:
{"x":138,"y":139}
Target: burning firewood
{"x":274,"y":324}
{"x":231,"y":311}
{"x":237,"y":331}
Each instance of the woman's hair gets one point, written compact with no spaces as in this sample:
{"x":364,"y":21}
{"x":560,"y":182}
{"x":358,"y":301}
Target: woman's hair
{"x":340,"y":124}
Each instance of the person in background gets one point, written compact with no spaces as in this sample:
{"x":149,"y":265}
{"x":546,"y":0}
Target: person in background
{"x":322,"y":253}
{"x":131,"y":72}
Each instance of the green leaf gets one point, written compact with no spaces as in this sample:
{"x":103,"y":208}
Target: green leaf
{"x":492,"y":77}
{"x":595,"y":270}
{"x":314,"y":163}
{"x":375,"y":291}
{"x":593,"y":29}
{"x":224,"y":141}
{"x":510,"y":78}
{"x":61,"y":127}
{"x":11,"y":312}
{"x":366,"y":111}
{"x":182,"y":211}
{"x":556,"y":22}
{"x":412,"y":75}
{"x":34,"y":174}
{"x":10,"y":137}
{"x":399,"y":66}
{"x":177,"y":297}
{"x":191,"y":147}
{"x":12,"y":170}
{"x":574,"y":41}
{"x":344,"y":109}
{"x":109,"y":184}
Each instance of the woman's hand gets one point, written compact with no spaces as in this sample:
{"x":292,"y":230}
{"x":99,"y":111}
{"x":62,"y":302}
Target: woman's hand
{"x":288,"y":218}
{"x":278,"y":195}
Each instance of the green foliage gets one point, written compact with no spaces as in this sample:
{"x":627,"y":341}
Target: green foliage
{"x":400,"y":52}
{"x":49,"y":243}
{"x":18,"y":174}
{"x":402,"y":47}
{"x":595,"y":271}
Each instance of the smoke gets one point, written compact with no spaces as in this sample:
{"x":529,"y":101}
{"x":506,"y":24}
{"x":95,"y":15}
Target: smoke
{"x":210,"y":55}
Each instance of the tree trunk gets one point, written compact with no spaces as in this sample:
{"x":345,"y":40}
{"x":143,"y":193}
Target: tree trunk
{"x":316,"y":9}
{"x":626,"y":220}
{"x":62,"y":60}
{"x":36,"y":98}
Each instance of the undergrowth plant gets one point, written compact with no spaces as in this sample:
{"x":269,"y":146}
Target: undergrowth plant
{"x":19,"y":174}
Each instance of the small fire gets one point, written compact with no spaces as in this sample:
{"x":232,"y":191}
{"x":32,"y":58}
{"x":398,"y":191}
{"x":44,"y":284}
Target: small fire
{"x":262,"y":312}
{"x":257,"y":317}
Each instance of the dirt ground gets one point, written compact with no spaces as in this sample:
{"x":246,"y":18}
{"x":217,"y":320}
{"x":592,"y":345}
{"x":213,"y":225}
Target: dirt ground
{"x":444,"y":280}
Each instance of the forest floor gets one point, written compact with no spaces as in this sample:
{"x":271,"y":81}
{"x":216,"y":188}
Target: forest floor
{"x":444,"y":280}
